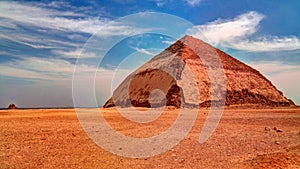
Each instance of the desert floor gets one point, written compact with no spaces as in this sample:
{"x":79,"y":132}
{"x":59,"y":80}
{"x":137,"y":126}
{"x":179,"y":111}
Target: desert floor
{"x":245,"y":138}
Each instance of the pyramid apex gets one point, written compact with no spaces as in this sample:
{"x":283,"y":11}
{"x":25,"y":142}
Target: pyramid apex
{"x":191,"y":41}
{"x":190,"y":38}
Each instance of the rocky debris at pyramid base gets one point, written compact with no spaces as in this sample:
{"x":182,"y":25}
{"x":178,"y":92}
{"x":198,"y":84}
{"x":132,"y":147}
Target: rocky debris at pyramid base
{"x":182,"y":73}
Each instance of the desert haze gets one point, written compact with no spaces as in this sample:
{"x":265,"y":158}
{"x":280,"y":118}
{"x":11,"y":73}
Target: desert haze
{"x":245,"y":138}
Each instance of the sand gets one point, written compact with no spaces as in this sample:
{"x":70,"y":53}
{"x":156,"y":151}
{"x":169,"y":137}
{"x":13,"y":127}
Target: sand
{"x":245,"y":138}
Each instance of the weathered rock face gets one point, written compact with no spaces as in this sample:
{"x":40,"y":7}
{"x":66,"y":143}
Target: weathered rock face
{"x":171,"y":71}
{"x":12,"y":106}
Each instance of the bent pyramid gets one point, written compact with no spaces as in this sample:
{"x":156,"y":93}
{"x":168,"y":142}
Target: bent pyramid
{"x":192,"y":73}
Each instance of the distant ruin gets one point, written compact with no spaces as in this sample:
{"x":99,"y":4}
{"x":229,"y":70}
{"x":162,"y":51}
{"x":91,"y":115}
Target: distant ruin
{"x":12,"y":106}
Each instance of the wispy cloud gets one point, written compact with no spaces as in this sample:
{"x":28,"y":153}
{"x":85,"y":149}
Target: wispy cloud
{"x":34,"y":15}
{"x":8,"y":25}
{"x":41,"y":68}
{"x":144,"y":51}
{"x":228,"y":30}
{"x":52,"y":30}
{"x":77,"y":53}
{"x":168,"y":42}
{"x":193,"y":2}
{"x":265,"y":44}
{"x":53,"y":69}
{"x":52,"y":19}
{"x":40,"y":40}
{"x":236,"y":33}
{"x":160,"y":3}
{"x":28,"y":41}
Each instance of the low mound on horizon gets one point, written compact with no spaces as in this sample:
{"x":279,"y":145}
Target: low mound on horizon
{"x":12,"y":106}
{"x":166,"y":72}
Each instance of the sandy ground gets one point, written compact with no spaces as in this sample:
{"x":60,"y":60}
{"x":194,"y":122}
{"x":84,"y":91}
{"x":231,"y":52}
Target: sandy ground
{"x":53,"y":138}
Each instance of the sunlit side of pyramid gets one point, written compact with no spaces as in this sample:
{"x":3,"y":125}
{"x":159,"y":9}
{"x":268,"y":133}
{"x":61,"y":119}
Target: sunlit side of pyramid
{"x":167,"y":72}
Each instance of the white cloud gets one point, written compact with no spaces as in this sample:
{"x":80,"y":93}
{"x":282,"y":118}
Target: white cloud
{"x":47,"y":27}
{"x":160,"y":3}
{"x":41,"y":68}
{"x":77,"y":53}
{"x":27,"y":41}
{"x":193,"y":2}
{"x":228,"y":30}
{"x":19,"y":73}
{"x":168,"y":42}
{"x":8,"y":25}
{"x":265,"y":44}
{"x":144,"y":51}
{"x":235,"y":33}
{"x":36,"y":41}
{"x":56,"y":70}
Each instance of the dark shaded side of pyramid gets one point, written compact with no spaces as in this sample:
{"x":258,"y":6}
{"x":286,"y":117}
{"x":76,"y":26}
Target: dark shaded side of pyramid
{"x":244,"y":85}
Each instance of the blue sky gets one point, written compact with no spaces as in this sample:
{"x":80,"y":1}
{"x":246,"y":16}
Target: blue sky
{"x":41,"y":40}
